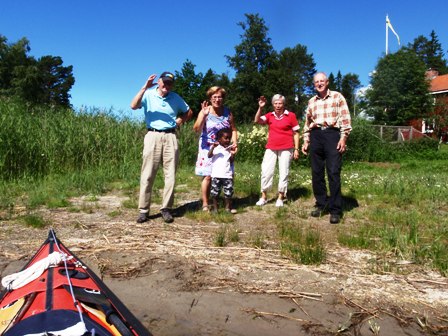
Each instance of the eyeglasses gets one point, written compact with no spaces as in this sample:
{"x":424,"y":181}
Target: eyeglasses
{"x":217,"y":98}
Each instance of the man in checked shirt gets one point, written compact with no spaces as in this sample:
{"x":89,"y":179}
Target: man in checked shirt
{"x":325,"y":134}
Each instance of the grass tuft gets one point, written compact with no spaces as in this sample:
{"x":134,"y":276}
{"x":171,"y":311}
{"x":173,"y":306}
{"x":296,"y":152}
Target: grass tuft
{"x":301,"y":243}
{"x":35,"y":221}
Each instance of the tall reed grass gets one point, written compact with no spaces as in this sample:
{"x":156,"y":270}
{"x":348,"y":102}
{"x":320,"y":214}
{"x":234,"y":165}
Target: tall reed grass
{"x":39,"y":142}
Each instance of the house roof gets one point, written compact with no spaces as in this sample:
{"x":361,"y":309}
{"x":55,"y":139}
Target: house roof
{"x":439,"y":84}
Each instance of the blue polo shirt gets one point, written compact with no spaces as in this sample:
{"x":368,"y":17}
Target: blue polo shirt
{"x":161,"y":112}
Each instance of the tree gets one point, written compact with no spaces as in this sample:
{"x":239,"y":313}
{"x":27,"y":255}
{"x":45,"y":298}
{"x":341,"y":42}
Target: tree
{"x":11,"y":57}
{"x":292,"y":76}
{"x":430,"y":52}
{"x":210,"y":79}
{"x":42,"y":81}
{"x":189,"y":85}
{"x":338,"y":82}
{"x":224,"y":81}
{"x":331,"y":80}
{"x":349,"y":84}
{"x":399,"y":89}
{"x":260,"y":70}
{"x":253,"y":56}
{"x":440,"y":117}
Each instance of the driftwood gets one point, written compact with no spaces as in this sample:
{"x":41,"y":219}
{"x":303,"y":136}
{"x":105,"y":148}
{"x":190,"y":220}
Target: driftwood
{"x":301,"y":308}
{"x":443,"y":283}
{"x":260,"y":313}
{"x":300,"y":295}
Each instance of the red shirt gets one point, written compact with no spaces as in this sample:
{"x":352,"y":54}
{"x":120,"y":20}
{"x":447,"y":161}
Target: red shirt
{"x":281,"y":130}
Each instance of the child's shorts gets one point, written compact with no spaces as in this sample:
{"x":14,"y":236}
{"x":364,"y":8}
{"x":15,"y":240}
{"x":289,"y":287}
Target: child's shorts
{"x":226,"y":184}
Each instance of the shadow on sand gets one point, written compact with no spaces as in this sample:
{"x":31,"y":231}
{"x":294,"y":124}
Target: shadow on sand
{"x":295,"y":194}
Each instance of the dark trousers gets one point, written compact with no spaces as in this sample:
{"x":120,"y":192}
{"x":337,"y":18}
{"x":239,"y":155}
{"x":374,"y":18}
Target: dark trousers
{"x":325,"y":156}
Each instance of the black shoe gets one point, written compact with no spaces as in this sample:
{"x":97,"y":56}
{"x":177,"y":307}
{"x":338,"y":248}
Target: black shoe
{"x":335,"y":219}
{"x":166,"y":216}
{"x":143,"y":217}
{"x":318,"y":212}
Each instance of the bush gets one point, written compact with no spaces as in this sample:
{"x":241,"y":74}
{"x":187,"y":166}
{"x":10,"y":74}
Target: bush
{"x":251,"y":143}
{"x":364,"y":145}
{"x":424,"y":148}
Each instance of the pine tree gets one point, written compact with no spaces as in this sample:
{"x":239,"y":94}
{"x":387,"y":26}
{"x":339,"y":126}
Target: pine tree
{"x":43,"y":81}
{"x":430,"y":52}
{"x":253,"y":56}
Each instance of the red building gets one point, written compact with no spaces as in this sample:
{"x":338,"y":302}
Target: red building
{"x":439,"y":90}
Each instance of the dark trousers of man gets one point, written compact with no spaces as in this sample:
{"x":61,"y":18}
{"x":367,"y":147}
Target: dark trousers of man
{"x":325,"y":156}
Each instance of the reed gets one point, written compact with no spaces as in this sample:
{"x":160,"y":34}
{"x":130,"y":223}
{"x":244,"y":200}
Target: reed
{"x":37,"y":142}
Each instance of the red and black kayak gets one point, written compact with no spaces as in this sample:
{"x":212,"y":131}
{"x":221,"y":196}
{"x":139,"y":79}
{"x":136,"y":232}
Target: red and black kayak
{"x":57,"y":294}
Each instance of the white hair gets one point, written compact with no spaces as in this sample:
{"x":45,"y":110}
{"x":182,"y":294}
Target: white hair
{"x":278,"y":97}
{"x":320,"y":73}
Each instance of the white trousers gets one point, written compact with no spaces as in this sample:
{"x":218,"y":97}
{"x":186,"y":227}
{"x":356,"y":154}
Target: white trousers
{"x":268,"y":169}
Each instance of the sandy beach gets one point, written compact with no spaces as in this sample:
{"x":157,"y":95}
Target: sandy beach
{"x":176,"y":280}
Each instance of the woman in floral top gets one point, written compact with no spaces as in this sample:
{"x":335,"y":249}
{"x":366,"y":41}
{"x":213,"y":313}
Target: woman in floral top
{"x":210,"y":120}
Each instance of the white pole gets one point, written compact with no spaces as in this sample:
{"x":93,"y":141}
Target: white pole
{"x":387,"y":37}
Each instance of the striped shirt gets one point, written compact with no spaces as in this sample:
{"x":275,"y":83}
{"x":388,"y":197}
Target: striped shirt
{"x":330,"y":111}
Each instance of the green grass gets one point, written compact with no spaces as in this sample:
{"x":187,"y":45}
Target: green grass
{"x":35,"y":221}
{"x":220,"y":237}
{"x":226,"y":234}
{"x":443,"y":148}
{"x":403,"y":213}
{"x":258,"y":240}
{"x":394,"y":207}
{"x":299,"y":241}
{"x":391,"y":210}
{"x":114,"y":213}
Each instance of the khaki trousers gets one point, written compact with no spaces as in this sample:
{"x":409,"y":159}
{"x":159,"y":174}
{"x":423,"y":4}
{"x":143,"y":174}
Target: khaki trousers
{"x":159,"y":148}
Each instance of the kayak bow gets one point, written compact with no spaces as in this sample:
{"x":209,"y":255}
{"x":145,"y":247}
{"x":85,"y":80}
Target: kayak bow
{"x":57,"y":294}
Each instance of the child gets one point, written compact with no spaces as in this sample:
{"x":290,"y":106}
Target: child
{"x":222,"y":154}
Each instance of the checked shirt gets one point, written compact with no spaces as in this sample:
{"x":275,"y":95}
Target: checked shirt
{"x":330,"y":111}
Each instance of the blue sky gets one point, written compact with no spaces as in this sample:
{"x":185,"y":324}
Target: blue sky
{"x":115,"y":45}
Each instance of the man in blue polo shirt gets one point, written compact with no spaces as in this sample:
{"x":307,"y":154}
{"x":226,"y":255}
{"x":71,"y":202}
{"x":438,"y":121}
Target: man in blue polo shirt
{"x":164,"y":112}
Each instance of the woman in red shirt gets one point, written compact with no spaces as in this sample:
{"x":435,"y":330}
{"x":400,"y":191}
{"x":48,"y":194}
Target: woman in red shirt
{"x":283,"y":144}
